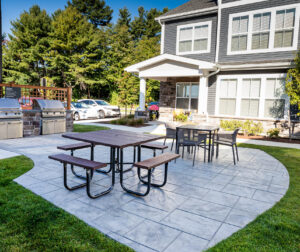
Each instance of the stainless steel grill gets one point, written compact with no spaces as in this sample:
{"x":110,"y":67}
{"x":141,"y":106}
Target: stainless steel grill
{"x":53,"y":116}
{"x":11,"y":124}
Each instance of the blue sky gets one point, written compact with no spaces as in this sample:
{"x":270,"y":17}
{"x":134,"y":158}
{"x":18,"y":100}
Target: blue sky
{"x":11,"y":9}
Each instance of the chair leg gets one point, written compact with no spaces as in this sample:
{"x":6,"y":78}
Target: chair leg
{"x":217,"y":151}
{"x":194,"y":154}
{"x":204,"y":151}
{"x":182,"y":151}
{"x":165,"y":141}
{"x":172,"y":144}
{"x":233,"y":155}
{"x":237,"y":153}
{"x":66,"y":180}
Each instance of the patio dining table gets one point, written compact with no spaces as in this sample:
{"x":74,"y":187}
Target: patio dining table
{"x":212,"y":130}
{"x":117,"y":140}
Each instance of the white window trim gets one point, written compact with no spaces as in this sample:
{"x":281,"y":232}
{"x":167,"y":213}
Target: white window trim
{"x":262,"y":98}
{"x":209,"y":23}
{"x":272,"y":30}
{"x":190,"y":95}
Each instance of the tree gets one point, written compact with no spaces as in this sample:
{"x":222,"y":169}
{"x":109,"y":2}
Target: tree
{"x":75,"y":57}
{"x":96,"y":11}
{"x":1,"y":43}
{"x":24,"y":56}
{"x":124,"y":18}
{"x":138,"y":25}
{"x":293,"y":83}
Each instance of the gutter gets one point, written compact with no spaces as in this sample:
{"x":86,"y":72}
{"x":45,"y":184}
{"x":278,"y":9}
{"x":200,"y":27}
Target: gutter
{"x":218,"y":30}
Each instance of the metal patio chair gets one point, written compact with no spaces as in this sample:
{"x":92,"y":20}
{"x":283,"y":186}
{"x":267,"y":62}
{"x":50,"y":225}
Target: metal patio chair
{"x":228,"y":139}
{"x":170,"y":134}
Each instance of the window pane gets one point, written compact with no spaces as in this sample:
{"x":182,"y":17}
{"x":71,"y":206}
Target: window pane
{"x":289,"y":18}
{"x":254,"y":108}
{"x":279,"y":88}
{"x":187,"y":90}
{"x":244,"y":24}
{"x":232,"y":88}
{"x":288,"y":38}
{"x":195,"y":91}
{"x":200,"y":45}
{"x":278,"y":40}
{"x":256,"y":22}
{"x":201,"y":31}
{"x":265,"y":22}
{"x":186,"y":34}
{"x":280,"y":19}
{"x":255,"y":88}
{"x":182,"y":103}
{"x":194,"y":104}
{"x":227,"y":107}
{"x":255,"y":41}
{"x":246,"y":88}
{"x":180,"y":90}
{"x":270,"y":88}
{"x":235,"y":25}
{"x":264,"y":40}
{"x":245,"y":107}
{"x":243,"y":43}
{"x":274,"y":108}
{"x":185,"y":46}
{"x":235,"y":44}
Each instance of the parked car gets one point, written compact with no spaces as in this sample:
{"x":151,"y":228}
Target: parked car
{"x":104,"y":109}
{"x":81,"y":111}
{"x":26,"y":102}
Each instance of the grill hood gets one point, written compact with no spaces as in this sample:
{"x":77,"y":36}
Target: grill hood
{"x":9,"y":104}
{"x":48,"y":105}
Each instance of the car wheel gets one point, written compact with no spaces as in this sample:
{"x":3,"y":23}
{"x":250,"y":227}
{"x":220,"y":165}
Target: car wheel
{"x":76,"y":117}
{"x":101,"y":114}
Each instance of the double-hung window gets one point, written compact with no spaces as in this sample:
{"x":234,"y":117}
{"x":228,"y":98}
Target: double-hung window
{"x":250,"y":97}
{"x":239,"y":33}
{"x":275,"y":100}
{"x":227,"y":102}
{"x":285,"y":25}
{"x":194,"y":38}
{"x":262,"y":31}
{"x":187,"y":95}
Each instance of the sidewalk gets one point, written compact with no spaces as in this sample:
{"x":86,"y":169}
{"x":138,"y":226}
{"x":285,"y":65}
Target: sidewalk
{"x":7,"y":154}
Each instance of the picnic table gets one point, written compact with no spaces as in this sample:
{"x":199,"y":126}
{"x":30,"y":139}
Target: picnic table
{"x":117,"y":140}
{"x":207,"y":128}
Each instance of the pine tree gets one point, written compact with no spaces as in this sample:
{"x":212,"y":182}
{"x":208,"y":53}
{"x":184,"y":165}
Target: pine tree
{"x":138,"y":25}
{"x":75,"y":57}
{"x":124,"y":17}
{"x":24,"y":55}
{"x":96,"y":11}
{"x":1,"y":43}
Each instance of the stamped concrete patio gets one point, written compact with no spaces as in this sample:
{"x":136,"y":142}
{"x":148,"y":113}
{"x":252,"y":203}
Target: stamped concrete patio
{"x":199,"y":206}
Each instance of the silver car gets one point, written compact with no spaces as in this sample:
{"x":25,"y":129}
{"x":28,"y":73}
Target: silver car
{"x":81,"y":111}
{"x":104,"y":109}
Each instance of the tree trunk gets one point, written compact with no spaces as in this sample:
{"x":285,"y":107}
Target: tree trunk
{"x":125,"y":110}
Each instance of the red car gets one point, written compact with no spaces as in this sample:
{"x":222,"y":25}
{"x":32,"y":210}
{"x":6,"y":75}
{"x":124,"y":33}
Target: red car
{"x":26,"y":102}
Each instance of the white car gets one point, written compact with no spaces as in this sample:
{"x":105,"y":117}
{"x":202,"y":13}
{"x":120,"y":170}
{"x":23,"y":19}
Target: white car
{"x":81,"y":111}
{"x":104,"y":109}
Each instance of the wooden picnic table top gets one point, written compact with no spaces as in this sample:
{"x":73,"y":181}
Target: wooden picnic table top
{"x":199,"y":127}
{"x":113,"y":138}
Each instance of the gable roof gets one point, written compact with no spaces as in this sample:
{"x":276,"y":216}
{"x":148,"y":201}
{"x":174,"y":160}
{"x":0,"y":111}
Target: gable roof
{"x":191,"y":6}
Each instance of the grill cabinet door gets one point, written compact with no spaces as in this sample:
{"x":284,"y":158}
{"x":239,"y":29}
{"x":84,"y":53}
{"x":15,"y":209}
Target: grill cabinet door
{"x":3,"y":130}
{"x":60,"y":126}
{"x":48,"y":127}
{"x":15,"y":129}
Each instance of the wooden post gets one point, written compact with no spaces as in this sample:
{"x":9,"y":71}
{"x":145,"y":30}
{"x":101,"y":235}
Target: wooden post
{"x":69,"y":98}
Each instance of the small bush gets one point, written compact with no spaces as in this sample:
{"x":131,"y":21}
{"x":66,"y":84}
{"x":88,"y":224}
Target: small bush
{"x":129,"y":120}
{"x":273,"y":133}
{"x":181,"y":117}
{"x":248,"y":127}
{"x":231,"y":125}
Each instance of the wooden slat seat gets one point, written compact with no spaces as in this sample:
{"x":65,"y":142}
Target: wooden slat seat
{"x":75,"y":146}
{"x":154,"y":146}
{"x":80,"y":162}
{"x":157,"y":161}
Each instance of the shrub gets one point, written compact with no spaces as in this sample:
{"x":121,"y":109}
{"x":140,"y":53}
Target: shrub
{"x":181,"y":117}
{"x":129,"y":120}
{"x":231,"y":125}
{"x":273,"y":133}
{"x":248,"y":127}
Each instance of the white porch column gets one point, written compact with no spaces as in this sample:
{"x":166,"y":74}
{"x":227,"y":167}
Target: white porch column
{"x":203,"y":93}
{"x":142,"y":94}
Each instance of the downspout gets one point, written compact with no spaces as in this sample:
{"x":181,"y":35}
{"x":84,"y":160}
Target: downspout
{"x":218,"y":30}
{"x":162,"y":36}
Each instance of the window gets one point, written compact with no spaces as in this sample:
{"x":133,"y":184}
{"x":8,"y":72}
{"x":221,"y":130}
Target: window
{"x":275,"y":101}
{"x":239,"y":33}
{"x":250,"y":97}
{"x":187,"y":96}
{"x":269,"y":30}
{"x":194,"y":38}
{"x":285,"y":22}
{"x":261,"y":31}
{"x":228,"y":93}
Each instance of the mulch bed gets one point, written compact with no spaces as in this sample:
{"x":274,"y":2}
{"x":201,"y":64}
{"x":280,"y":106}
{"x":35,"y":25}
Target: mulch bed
{"x":136,"y":126}
{"x":264,"y":138}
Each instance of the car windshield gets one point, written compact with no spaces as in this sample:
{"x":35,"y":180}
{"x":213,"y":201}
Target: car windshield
{"x":102,"y":103}
{"x":79,"y":105}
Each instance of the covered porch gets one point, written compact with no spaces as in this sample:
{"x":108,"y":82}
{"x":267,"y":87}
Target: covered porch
{"x":184,"y":83}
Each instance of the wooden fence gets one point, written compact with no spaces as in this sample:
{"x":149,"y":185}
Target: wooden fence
{"x":28,"y":92}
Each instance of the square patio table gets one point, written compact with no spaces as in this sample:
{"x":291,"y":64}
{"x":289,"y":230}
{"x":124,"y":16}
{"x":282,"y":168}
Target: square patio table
{"x":116,"y":140}
{"x":208,"y":128}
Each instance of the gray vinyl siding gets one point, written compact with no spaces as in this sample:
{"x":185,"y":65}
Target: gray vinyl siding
{"x":171,"y":37}
{"x":211,"y":98}
{"x":223,"y":57}
{"x":229,"y":1}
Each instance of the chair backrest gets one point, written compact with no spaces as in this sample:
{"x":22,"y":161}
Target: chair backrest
{"x":185,"y":135}
{"x":234,"y":134}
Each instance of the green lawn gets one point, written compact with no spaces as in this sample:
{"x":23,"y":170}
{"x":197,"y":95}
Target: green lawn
{"x":30,"y":223}
{"x":278,"y":229}
{"x":87,"y":128}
